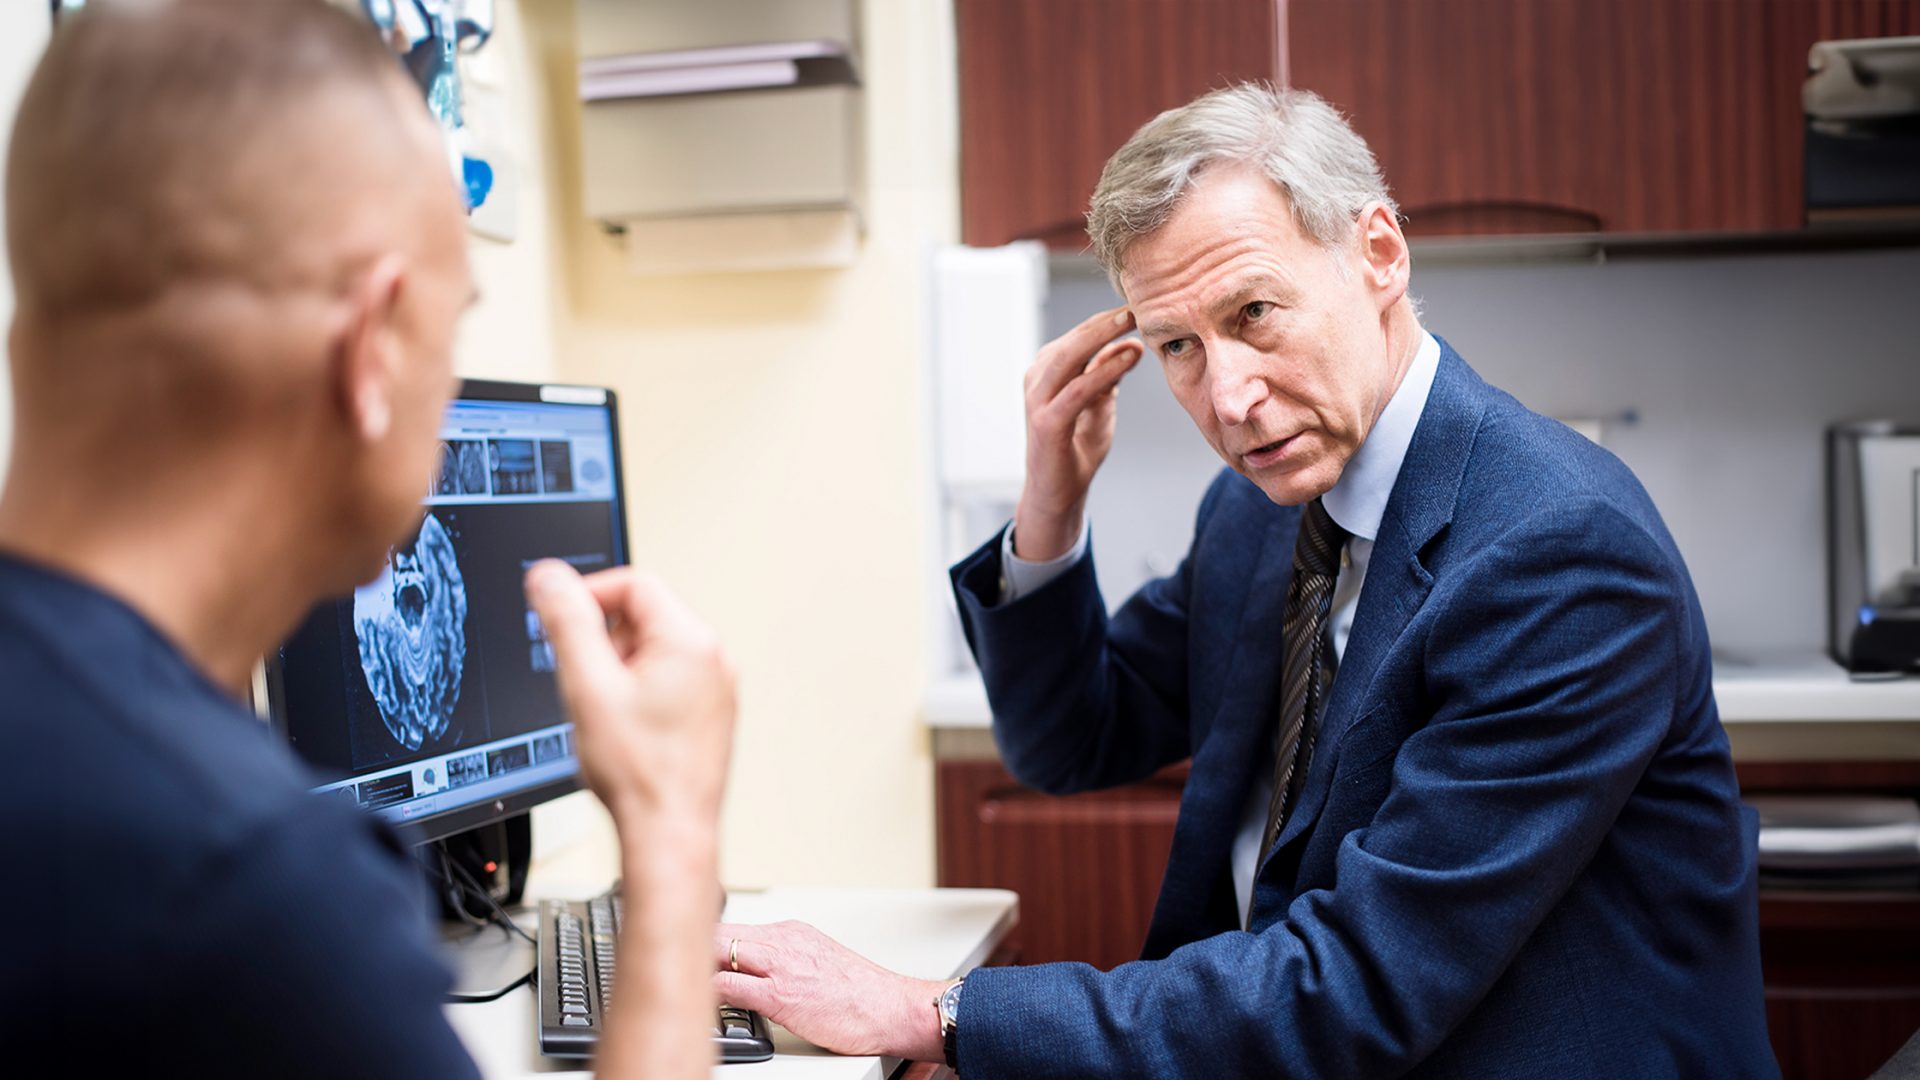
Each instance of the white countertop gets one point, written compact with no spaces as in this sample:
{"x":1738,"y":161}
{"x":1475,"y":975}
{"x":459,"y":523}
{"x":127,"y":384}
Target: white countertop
{"x":926,"y":933}
{"x":1808,"y":688}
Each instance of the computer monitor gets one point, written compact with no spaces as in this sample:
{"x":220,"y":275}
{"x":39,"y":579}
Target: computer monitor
{"x":428,"y":696}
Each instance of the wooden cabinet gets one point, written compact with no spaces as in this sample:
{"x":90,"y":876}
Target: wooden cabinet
{"x":1087,"y":867}
{"x":1635,"y":116}
{"x":1475,"y":110}
{"x":1049,"y":89}
{"x":1488,"y":116}
{"x":1842,"y":970}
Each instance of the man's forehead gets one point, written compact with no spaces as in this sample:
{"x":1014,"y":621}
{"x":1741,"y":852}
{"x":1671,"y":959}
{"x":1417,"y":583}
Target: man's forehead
{"x":1163,"y":308}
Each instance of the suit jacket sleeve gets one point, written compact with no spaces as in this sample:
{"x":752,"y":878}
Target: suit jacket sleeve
{"x":1551,"y":665}
{"x":1081,"y":700}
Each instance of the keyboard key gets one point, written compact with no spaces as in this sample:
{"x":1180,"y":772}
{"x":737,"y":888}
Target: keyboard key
{"x":576,"y":1021}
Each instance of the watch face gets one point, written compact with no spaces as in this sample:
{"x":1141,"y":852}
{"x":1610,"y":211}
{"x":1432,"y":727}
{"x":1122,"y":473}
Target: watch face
{"x":950,"y":1004}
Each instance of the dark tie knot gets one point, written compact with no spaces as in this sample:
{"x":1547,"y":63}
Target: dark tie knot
{"x":1317,"y":551}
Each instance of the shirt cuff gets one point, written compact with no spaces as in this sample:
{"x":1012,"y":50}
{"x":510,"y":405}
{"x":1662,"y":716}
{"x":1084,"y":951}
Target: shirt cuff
{"x":1019,"y":578}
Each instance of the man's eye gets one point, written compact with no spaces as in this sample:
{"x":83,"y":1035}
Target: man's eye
{"x":1256,"y":309}
{"x":1177,"y":347}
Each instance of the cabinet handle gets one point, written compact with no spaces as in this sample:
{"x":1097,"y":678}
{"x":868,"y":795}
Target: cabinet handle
{"x":1593,"y":221}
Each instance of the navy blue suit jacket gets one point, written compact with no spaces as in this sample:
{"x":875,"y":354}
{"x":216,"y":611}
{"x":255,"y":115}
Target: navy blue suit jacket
{"x":1519,"y":850}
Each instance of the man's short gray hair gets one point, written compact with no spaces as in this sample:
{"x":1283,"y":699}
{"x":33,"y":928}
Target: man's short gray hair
{"x":1299,"y":141}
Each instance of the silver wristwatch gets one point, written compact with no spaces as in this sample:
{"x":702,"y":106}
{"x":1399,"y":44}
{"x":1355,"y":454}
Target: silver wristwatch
{"x":949,"y":1005}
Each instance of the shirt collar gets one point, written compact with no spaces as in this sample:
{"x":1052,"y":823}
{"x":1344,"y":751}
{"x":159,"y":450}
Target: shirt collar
{"x":1358,"y":499}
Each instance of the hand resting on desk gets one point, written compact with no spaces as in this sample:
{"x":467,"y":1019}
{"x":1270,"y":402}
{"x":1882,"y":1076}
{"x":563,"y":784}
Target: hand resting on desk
{"x":824,"y":992}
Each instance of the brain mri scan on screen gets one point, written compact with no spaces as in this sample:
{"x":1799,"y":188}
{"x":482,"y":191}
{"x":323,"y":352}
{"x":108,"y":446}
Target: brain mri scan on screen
{"x":411,"y":625}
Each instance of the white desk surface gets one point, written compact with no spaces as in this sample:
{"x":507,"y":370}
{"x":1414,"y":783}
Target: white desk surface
{"x":926,"y":933}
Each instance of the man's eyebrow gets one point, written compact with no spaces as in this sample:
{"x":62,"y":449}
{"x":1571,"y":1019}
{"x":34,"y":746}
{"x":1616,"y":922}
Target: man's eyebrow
{"x":1254,"y":286}
{"x":1257,"y":285}
{"x":1159,"y":330}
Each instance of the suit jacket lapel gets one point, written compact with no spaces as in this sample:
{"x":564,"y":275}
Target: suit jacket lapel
{"x":1236,"y":744}
{"x":1236,"y":741}
{"x":1418,"y":509}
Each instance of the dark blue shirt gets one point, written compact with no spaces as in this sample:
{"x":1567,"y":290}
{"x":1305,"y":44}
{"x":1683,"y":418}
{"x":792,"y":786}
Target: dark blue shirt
{"x":180,"y":901}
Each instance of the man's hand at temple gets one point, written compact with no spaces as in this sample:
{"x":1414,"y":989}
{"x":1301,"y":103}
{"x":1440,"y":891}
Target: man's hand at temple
{"x":826,"y":993}
{"x":1071,"y":411}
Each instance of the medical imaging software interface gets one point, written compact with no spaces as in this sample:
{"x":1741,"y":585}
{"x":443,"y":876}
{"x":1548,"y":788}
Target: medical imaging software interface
{"x":431,"y":688}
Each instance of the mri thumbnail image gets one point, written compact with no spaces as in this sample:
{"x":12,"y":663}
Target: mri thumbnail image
{"x":411,"y":626}
{"x":514,"y":472}
{"x":556,"y":466}
{"x":463,"y":468}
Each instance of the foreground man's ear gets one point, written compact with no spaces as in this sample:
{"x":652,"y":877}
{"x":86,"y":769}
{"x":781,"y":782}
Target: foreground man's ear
{"x":1384,"y":259}
{"x":367,"y":357}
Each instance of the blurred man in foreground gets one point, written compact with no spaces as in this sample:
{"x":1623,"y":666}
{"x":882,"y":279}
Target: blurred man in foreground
{"x":239,"y":261}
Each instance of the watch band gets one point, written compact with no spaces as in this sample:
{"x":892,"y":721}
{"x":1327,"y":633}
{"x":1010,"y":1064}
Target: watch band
{"x":948,"y":1004}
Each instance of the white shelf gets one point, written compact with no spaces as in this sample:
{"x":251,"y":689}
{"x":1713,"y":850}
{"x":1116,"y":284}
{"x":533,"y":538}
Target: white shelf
{"x":1809,"y":687}
{"x":958,"y":701}
{"x":1800,"y":689}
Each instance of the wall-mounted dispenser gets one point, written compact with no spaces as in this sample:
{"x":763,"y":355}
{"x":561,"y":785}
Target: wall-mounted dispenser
{"x":723,"y":135}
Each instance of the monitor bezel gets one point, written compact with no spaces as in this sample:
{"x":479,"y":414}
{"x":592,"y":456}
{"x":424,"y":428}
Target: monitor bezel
{"x":447,"y":823}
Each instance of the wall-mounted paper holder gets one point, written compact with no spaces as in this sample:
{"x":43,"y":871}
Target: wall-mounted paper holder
{"x":704,"y":154}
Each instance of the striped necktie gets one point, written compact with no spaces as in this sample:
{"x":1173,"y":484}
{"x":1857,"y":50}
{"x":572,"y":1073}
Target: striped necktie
{"x":1316,"y":563}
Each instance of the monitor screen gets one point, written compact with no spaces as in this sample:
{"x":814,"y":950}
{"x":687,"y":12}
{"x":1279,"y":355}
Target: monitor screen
{"x":428,"y":696}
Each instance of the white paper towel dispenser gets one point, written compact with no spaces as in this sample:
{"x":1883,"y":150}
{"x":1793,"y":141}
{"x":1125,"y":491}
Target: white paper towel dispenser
{"x":723,"y":135}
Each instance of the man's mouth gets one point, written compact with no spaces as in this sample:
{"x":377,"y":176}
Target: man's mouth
{"x":1272,"y":453}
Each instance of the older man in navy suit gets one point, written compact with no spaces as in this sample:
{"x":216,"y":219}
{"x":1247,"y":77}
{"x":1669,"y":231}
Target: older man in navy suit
{"x":1460,"y":801}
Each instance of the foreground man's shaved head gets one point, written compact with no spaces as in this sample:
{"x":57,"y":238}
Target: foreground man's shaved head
{"x":238,"y":270}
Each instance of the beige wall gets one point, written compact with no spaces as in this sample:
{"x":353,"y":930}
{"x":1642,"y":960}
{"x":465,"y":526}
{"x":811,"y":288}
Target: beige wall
{"x":23,"y":30}
{"x":510,"y":333}
{"x":773,"y":441}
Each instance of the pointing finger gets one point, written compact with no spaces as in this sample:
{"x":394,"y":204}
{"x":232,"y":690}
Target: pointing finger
{"x":573,"y":619}
{"x":644,"y":606}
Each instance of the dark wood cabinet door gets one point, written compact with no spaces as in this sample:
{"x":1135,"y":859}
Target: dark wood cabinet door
{"x":1049,"y":89}
{"x":1841,"y":969}
{"x":1087,"y":867}
{"x":1503,"y":116}
{"x":1477,"y":113}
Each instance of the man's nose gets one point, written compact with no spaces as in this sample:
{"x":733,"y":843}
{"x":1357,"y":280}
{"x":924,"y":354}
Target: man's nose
{"x":1238,"y":385}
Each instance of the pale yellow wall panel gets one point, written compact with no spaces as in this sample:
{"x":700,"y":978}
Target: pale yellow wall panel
{"x":23,"y":32}
{"x":510,"y":333}
{"x":774,"y":441}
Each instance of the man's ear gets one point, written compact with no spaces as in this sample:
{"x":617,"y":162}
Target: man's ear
{"x":367,"y":357}
{"x":1384,"y":259}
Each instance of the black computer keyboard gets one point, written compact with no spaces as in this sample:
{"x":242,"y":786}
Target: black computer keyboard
{"x":577,"y":984}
